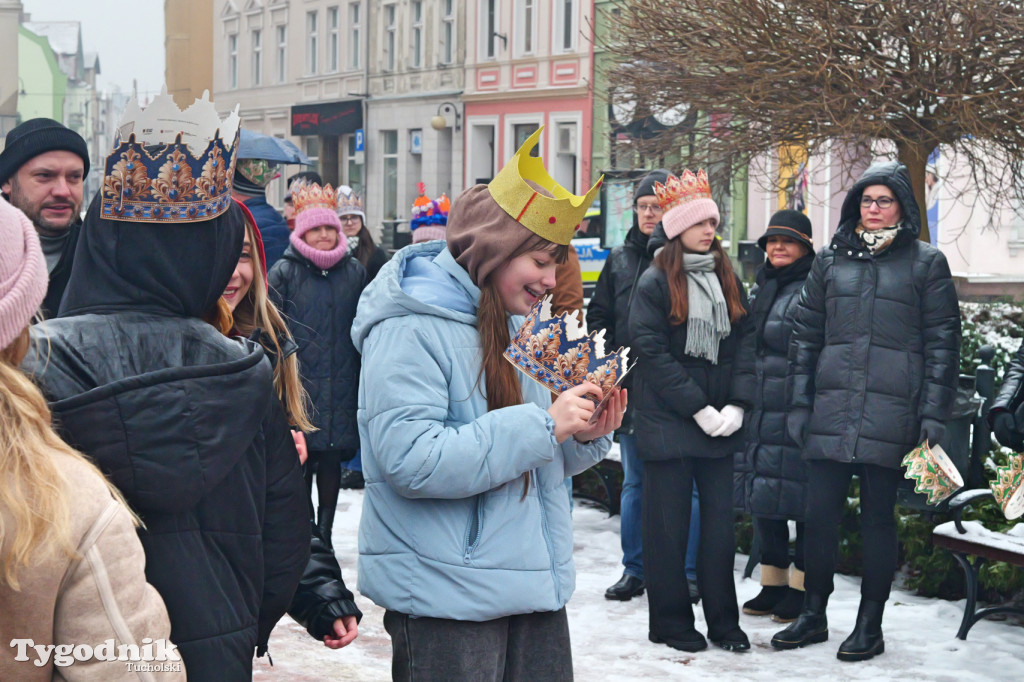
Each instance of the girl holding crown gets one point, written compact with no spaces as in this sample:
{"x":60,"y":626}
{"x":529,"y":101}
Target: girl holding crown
{"x":466,"y":536}
{"x":317,"y":285}
{"x":687,"y":321}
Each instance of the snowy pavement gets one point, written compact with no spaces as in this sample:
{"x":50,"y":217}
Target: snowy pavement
{"x":610,"y":638}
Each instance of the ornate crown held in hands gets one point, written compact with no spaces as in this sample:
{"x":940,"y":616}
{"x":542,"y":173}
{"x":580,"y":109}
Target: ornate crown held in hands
{"x":556,"y":217}
{"x":932,"y":472}
{"x":678,"y":191}
{"x":1008,"y":488}
{"x":557,"y":352}
{"x":307,"y":195}
{"x":169,"y":165}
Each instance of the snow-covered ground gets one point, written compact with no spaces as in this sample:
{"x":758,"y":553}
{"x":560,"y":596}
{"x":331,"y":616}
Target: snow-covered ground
{"x":610,"y":638}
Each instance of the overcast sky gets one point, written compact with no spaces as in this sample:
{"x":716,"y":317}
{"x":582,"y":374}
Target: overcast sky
{"x":127,"y":34}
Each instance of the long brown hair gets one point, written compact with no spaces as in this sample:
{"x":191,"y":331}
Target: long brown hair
{"x":33,"y":490}
{"x":257,"y":311}
{"x":670,"y":261}
{"x":501,"y":379}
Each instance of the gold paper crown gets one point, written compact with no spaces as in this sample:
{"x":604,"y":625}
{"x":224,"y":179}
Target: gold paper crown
{"x":1008,"y":488}
{"x":686,"y":187}
{"x":554,"y":218}
{"x":932,"y":472}
{"x":311,"y":195}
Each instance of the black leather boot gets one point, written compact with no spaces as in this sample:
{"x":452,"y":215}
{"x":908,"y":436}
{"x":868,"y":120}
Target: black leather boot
{"x":324,"y":523}
{"x":866,"y":639}
{"x":810,"y":627}
{"x":629,"y":586}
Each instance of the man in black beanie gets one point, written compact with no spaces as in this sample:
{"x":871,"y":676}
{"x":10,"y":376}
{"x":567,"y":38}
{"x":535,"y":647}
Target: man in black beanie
{"x":42,"y":170}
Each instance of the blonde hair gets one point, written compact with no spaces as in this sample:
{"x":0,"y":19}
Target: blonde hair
{"x":33,"y":490}
{"x":257,"y":311}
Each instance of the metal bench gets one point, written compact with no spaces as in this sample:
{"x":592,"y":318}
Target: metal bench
{"x":969,"y":538}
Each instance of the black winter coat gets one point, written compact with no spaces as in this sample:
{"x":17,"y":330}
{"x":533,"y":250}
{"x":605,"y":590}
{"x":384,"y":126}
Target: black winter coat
{"x":1011,"y":392}
{"x":185,"y":423}
{"x":670,"y":386}
{"x":770,"y":474}
{"x":876,"y":345}
{"x":319,"y":306}
{"x":610,"y":304}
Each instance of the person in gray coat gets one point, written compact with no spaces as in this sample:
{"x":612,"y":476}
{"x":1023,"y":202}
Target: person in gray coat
{"x":874,"y":363}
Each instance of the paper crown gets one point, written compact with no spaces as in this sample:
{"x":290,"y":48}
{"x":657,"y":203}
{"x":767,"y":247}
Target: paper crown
{"x":307,"y":195}
{"x":1008,"y":487}
{"x":349,"y":202}
{"x":932,"y":472}
{"x":557,"y":352}
{"x":430,"y":212}
{"x":169,"y":165}
{"x":554,"y":218}
{"x":679,"y":190}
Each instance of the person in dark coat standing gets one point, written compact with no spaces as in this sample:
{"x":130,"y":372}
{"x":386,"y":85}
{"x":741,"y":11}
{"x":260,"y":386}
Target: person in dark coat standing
{"x":250,"y":187}
{"x":771,"y":477}
{"x":42,"y":172}
{"x":687,"y":322}
{"x":183,"y":420}
{"x":316,"y":285}
{"x":874,"y":364}
{"x":1006,"y":415}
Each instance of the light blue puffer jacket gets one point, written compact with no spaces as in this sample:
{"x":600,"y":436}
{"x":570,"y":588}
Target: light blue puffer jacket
{"x":445,"y":531}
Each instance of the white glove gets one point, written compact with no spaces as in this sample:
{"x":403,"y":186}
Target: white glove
{"x":709,"y":420}
{"x":732,"y":420}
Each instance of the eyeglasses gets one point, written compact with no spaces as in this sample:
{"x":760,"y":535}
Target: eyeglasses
{"x":882,"y":202}
{"x":349,"y":218}
{"x":653,"y":208}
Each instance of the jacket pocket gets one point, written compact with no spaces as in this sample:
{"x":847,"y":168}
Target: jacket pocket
{"x":474,"y":529}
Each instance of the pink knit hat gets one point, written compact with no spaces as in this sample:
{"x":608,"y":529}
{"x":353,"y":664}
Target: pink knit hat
{"x":686,"y":201}
{"x":23,"y":276}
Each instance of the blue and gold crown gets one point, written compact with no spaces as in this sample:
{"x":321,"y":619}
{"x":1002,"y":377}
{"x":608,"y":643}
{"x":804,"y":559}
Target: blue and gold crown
{"x":556,"y":351}
{"x":168,"y":165}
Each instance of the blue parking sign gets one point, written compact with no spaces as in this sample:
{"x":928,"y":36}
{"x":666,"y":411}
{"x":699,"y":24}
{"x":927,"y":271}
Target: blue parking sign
{"x":359,"y":140}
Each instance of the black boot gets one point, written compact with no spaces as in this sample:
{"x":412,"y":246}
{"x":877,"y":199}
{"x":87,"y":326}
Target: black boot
{"x":810,"y":627}
{"x":766,"y":600}
{"x":788,"y":609}
{"x":324,"y":523}
{"x":866,"y":639}
{"x":629,"y":586}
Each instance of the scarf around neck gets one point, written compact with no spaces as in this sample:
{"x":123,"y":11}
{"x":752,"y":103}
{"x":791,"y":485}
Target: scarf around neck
{"x":877,"y":241}
{"x":707,"y":319}
{"x":322,"y":259}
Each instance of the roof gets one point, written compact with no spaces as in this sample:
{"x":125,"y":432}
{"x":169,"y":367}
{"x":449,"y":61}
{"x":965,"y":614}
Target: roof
{"x":64,"y":36}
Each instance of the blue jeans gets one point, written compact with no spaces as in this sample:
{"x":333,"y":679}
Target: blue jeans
{"x":356,"y":463}
{"x":630,"y":521}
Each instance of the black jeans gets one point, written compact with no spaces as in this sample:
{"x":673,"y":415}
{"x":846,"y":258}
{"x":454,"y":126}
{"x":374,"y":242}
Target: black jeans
{"x":528,"y":647}
{"x":774,"y":537}
{"x":668,"y":486}
{"x":828,"y":484}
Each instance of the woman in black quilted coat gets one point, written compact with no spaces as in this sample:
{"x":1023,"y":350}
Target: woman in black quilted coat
{"x":771,"y":476}
{"x":874,"y":364}
{"x":316,"y":285}
{"x":1007,"y":412}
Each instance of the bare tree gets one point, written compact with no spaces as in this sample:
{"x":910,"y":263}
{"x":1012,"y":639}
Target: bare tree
{"x":771,"y":74}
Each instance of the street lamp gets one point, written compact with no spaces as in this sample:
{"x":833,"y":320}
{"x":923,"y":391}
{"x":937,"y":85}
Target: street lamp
{"x":440,"y":121}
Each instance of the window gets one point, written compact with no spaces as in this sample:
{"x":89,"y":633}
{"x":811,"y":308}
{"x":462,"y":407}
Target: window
{"x":354,"y":35}
{"x":520,"y":132}
{"x":355,"y":170}
{"x":389,"y":37}
{"x":333,"y":43}
{"x":417,"y":32}
{"x":257,"y":57}
{"x":233,"y":60}
{"x":481,"y":153}
{"x":312,"y":150}
{"x":565,"y":25}
{"x":526,"y":28}
{"x":389,"y":143}
{"x":282,"y":54}
{"x":312,"y":47}
{"x":489,"y":27}
{"x":448,"y":32}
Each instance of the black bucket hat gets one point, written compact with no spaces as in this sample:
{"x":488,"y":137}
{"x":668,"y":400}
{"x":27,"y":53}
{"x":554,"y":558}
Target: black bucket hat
{"x":788,"y":223}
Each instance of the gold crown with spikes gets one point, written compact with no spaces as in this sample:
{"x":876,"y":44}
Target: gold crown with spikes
{"x":554,"y":217}
{"x":1008,"y":488}
{"x":678,"y":191}
{"x":309,"y":195}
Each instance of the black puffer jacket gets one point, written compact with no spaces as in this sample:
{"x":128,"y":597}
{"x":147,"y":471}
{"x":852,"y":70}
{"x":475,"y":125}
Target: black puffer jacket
{"x":876,"y":345}
{"x":671,"y":386}
{"x":1011,"y":392}
{"x":770,"y":474}
{"x":319,"y":306}
{"x":610,"y":304}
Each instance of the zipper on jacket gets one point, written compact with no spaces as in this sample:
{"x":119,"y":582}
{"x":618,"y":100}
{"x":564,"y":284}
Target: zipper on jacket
{"x":547,"y":536}
{"x":473,"y":531}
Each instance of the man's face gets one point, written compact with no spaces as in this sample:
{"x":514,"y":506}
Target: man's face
{"x":48,"y":189}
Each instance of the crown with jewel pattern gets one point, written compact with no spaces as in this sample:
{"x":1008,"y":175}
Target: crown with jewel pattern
{"x":169,"y":165}
{"x":557,"y":351}
{"x":932,"y":472}
{"x":554,"y":217}
{"x":679,"y":190}
{"x":307,"y":195}
{"x":1008,"y":487}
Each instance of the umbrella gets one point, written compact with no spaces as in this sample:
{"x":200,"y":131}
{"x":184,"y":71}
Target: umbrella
{"x":253,"y":145}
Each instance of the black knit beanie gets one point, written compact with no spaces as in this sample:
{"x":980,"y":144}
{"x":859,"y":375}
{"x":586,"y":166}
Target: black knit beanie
{"x":645,"y":187}
{"x":38,"y":136}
